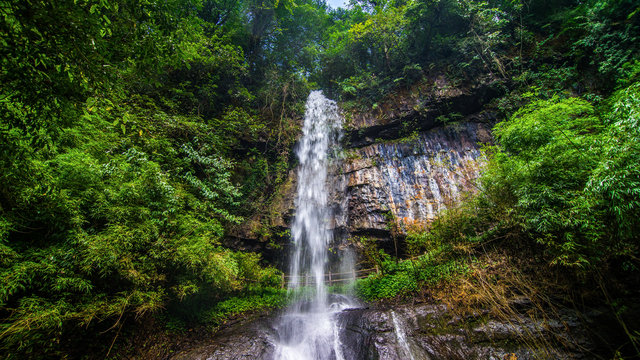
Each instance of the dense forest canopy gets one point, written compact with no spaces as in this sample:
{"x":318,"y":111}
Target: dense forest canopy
{"x":133,"y":134}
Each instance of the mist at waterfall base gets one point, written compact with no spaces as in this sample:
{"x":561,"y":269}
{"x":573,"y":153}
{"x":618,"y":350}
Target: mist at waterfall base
{"x":308,"y":329}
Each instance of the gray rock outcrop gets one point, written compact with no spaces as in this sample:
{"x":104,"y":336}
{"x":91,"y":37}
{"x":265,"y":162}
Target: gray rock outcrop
{"x":405,"y":183}
{"x":418,"y":332}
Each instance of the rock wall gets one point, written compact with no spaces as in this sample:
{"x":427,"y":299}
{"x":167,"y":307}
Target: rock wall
{"x":420,"y":108}
{"x":405,"y":183}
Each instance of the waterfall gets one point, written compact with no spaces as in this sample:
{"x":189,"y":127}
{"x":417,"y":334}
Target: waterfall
{"x":308,"y":329}
{"x":401,"y":337}
{"x":405,"y":349}
{"x":310,"y":230}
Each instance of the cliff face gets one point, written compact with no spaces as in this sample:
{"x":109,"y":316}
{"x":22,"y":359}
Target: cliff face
{"x":421,"y":108}
{"x":403,"y":162}
{"x":405,"y":183}
{"x":410,"y":157}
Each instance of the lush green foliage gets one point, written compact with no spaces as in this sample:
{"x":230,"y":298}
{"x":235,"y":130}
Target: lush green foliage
{"x":134,"y":134}
{"x":376,"y":46}
{"x":562,"y":174}
{"x":571,"y":176}
{"x":562,"y":171}
{"x":200,"y":310}
{"x":405,"y":277}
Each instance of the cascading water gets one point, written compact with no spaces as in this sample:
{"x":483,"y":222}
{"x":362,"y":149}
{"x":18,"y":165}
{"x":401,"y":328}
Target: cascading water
{"x":308,"y":329}
{"x":406,"y":349}
{"x":401,"y":337}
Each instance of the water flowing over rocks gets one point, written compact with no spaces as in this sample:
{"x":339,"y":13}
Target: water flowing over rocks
{"x":434,"y":332}
{"x":428,"y":332}
{"x":308,"y":330}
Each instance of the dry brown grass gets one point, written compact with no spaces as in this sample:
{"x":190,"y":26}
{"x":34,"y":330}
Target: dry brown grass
{"x":517,"y":293}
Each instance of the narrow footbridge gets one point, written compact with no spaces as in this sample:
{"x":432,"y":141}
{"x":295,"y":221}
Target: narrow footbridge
{"x":330,"y":278}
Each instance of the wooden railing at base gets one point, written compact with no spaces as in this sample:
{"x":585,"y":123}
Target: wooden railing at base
{"x":330,"y":278}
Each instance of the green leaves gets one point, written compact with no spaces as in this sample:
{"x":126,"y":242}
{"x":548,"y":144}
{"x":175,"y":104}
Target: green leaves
{"x":571,"y":176}
{"x":608,"y":36}
{"x":384,"y":36}
{"x":117,"y":177}
{"x":550,"y":147}
{"x":402,"y":278}
{"x":548,"y":123}
{"x":616,"y":179}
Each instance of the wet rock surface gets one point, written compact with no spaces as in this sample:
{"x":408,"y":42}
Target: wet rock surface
{"x":433,"y":332}
{"x":245,"y":339}
{"x":419,"y":332}
{"x":407,"y":182}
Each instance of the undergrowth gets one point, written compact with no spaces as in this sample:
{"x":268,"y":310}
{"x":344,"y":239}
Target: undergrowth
{"x":404,"y":277}
{"x":213,"y":314}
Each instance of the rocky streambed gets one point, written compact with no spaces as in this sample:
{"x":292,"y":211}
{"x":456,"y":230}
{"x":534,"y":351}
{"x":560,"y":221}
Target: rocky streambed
{"x":419,"y":331}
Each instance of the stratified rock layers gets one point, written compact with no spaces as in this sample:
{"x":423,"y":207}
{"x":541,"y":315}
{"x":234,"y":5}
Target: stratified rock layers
{"x":405,"y":183}
{"x":405,"y":162}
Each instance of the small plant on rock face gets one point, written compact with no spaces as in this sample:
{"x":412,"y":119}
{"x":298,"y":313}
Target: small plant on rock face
{"x":449,"y":118}
{"x":369,"y":248}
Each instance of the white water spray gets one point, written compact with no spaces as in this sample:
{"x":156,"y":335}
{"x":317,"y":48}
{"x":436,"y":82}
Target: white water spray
{"x":406,"y":349}
{"x":401,"y":337}
{"x":308,"y":330}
